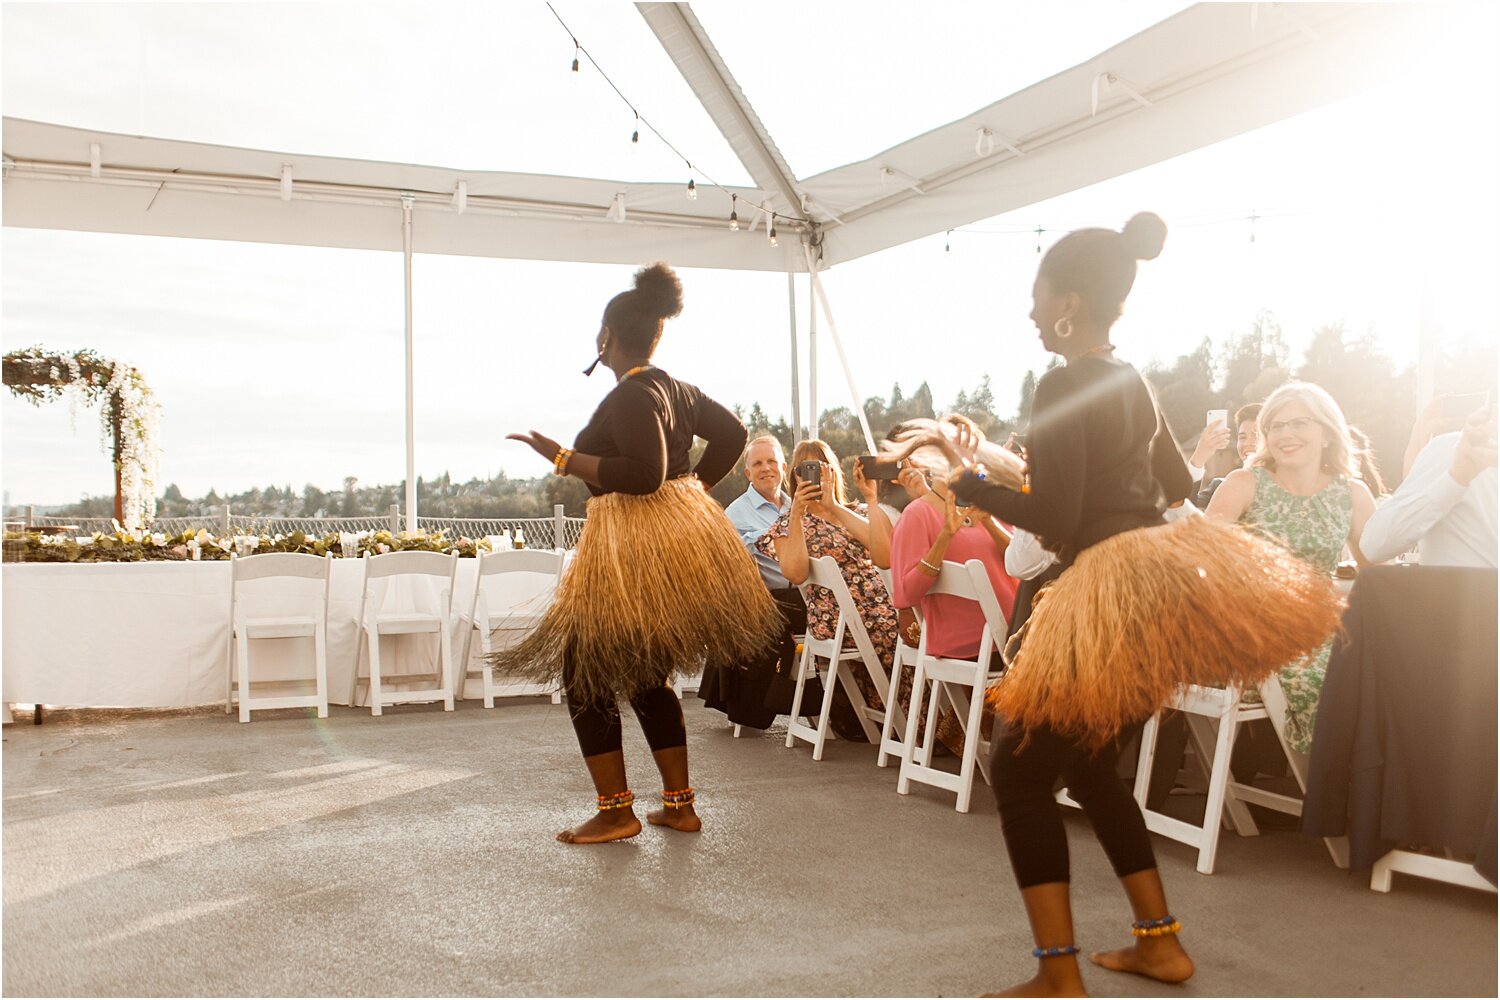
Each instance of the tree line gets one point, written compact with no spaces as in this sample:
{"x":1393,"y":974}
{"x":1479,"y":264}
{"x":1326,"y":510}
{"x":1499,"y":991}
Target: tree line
{"x":1376,"y":395}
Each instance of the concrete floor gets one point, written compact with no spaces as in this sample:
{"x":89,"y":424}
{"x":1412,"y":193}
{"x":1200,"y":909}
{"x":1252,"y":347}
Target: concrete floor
{"x":186,"y":854}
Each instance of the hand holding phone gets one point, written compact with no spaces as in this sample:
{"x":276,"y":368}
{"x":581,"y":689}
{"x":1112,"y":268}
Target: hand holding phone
{"x":1459,"y":408}
{"x":875,"y":469}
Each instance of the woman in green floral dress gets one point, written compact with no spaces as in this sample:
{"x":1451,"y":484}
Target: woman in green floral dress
{"x":1301,"y":489}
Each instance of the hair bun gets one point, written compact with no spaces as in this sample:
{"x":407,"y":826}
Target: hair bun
{"x":658,"y":290}
{"x":1144,"y":235}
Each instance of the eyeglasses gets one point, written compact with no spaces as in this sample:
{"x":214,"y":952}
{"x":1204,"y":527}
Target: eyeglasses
{"x":1296,"y":425}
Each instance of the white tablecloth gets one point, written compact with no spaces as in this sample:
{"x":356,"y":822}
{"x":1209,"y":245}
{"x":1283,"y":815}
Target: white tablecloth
{"x":156,"y":634}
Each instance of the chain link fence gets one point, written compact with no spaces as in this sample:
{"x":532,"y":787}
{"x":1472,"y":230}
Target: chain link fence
{"x":558,"y":531}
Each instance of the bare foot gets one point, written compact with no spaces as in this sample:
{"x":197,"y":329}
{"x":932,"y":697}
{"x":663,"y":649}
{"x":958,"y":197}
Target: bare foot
{"x":1159,"y":958}
{"x":607,"y":825}
{"x":684,"y":819}
{"x":1041,"y":986}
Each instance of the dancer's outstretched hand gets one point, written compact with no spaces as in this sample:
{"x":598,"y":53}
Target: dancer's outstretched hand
{"x":539,"y":442}
{"x":967,"y":437}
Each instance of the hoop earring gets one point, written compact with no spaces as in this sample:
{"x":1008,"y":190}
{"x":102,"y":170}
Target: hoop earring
{"x":1057,"y":328}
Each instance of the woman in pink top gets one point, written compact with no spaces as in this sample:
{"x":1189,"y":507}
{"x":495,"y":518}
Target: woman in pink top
{"x":932,"y":529}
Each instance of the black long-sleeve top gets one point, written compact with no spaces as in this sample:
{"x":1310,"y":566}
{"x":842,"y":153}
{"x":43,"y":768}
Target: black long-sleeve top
{"x":643,"y":432}
{"x":1101,"y":458}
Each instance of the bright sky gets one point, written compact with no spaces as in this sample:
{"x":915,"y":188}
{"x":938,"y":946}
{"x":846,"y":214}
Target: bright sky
{"x":283,"y":365}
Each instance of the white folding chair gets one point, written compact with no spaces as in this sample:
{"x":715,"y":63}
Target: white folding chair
{"x":962,"y":682}
{"x":824,"y":572}
{"x":1214,"y":716}
{"x":309,"y":621}
{"x":511,"y":593}
{"x":374,"y":622}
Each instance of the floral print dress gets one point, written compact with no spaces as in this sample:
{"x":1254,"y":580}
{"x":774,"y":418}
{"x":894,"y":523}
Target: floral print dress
{"x":1315,"y":529}
{"x":825,"y":538}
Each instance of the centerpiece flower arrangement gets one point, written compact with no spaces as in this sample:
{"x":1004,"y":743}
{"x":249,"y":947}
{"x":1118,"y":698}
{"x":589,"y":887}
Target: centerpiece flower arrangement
{"x":123,"y":545}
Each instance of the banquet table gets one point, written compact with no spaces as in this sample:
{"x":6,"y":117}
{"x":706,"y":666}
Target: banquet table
{"x":1404,"y":746}
{"x":156,"y":634}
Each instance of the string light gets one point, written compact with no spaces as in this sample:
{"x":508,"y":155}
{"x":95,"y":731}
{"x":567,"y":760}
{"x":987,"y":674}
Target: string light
{"x":771,"y":233}
{"x":1038,"y":239}
{"x":1253,"y":217}
{"x":734,"y":216}
{"x":947,"y":242}
{"x":579,"y":53}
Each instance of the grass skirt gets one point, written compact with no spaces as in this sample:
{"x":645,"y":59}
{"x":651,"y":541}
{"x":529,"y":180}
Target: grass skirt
{"x":658,"y":582}
{"x":1193,"y":602}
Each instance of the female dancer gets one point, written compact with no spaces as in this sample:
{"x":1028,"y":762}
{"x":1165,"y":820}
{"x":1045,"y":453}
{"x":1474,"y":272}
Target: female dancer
{"x":1102,"y":647}
{"x":659,"y":578}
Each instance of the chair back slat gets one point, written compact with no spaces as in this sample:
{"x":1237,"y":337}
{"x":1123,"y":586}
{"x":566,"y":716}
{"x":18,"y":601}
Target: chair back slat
{"x":268,"y":564}
{"x":971,"y":582}
{"x":824,"y":572}
{"x":521,"y":561}
{"x":409,"y":564}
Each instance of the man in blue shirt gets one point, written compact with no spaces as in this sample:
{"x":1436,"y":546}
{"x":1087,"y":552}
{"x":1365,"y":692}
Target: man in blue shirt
{"x":754,"y":692}
{"x":761,"y":504}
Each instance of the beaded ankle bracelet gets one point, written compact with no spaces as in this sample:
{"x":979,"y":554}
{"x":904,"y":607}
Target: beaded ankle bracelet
{"x":620,"y":800}
{"x":1156,"y":928}
{"x":677,"y":800}
{"x":1067,"y":949}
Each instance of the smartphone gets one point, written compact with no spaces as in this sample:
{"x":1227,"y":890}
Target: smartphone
{"x":1460,"y":408}
{"x":1220,"y":417}
{"x":810,"y":472}
{"x":876,"y":469}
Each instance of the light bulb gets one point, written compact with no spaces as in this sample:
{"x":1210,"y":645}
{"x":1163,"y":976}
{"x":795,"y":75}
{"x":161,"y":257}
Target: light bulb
{"x":575,"y":64}
{"x":692,"y":191}
{"x":635,"y":136}
{"x":771,"y":232}
{"x":734,"y":221}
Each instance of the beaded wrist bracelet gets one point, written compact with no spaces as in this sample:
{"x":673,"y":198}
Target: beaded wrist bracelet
{"x":620,"y":800}
{"x":1067,"y":949}
{"x":1156,"y":928}
{"x":561,"y":459}
{"x":677,"y":800}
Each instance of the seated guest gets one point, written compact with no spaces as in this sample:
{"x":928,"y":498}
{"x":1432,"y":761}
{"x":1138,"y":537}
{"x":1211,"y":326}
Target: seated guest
{"x":820,"y":522}
{"x":1445,"y":505}
{"x":933,"y":528}
{"x":1246,"y":443}
{"x":1301,"y":489}
{"x":752,"y":693}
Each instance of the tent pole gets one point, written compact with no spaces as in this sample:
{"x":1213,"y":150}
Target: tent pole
{"x":791,"y":310}
{"x":1426,"y":350}
{"x":411,"y":437}
{"x":838,"y":345}
{"x":812,"y":349}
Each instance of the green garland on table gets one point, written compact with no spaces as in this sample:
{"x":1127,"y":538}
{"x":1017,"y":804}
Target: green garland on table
{"x":125,"y":546}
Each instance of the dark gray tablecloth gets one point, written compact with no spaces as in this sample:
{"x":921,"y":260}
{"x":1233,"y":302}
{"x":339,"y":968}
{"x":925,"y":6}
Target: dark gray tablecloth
{"x":1404,"y":747}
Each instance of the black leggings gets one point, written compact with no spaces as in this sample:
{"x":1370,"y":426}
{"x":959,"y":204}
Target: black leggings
{"x":1024,"y":778}
{"x":598,"y":723}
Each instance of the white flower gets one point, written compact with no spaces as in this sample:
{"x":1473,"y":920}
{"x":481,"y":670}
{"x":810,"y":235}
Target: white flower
{"x":157,"y":538}
{"x":202,"y":537}
{"x":382,"y":548}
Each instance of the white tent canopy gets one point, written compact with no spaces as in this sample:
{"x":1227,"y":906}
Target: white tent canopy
{"x":1210,"y":72}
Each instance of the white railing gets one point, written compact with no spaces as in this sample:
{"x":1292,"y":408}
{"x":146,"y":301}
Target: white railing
{"x":558,"y":531}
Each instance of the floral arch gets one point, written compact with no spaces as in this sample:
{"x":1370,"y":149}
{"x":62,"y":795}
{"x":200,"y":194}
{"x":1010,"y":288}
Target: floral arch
{"x":128,"y":412}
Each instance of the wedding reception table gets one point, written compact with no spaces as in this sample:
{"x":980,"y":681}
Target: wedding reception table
{"x":156,"y":634}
